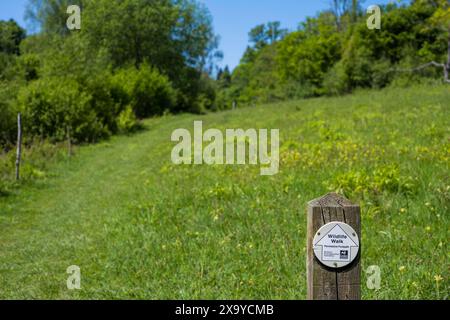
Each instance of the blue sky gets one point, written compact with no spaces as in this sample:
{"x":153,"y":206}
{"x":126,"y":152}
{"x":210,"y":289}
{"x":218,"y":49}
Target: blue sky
{"x":13,"y":9}
{"x":233,"y":19}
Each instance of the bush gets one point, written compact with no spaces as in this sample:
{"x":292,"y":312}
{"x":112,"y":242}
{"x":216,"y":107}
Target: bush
{"x":127,"y":121}
{"x":336,"y":80}
{"x":106,"y":101}
{"x":51,"y":106}
{"x":147,"y":91}
{"x":8,"y":114}
{"x":28,"y":66}
{"x":224,"y":99}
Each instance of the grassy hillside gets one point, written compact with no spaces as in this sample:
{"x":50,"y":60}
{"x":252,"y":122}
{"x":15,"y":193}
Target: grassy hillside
{"x":141,"y":227}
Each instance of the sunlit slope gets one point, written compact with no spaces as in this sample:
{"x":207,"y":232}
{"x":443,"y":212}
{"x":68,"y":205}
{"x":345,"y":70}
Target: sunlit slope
{"x":140,"y":227}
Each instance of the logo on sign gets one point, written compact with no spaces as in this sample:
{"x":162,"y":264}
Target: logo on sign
{"x":344,"y":254}
{"x":336,"y":244}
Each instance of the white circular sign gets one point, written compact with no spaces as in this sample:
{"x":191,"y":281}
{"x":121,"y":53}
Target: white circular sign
{"x":336,"y":244}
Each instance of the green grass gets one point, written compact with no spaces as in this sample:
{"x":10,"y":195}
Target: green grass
{"x":141,"y":227}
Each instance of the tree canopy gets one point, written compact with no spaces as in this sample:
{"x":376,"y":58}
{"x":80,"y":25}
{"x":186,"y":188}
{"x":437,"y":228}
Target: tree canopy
{"x":141,"y":58}
{"x":148,"y":56}
{"x":335,"y":53}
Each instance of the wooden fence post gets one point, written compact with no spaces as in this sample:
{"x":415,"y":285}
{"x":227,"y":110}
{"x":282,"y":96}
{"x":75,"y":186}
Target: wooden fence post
{"x":69,"y":142}
{"x":19,"y":145}
{"x":325,"y":283}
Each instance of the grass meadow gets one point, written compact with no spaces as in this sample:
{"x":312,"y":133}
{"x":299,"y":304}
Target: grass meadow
{"x":140,"y":227}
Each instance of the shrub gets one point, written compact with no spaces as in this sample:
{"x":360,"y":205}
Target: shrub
{"x":223,"y":100}
{"x":106,"y":101}
{"x":8,"y":114}
{"x":127,"y":121}
{"x":53,"y":105}
{"x":336,"y":81}
{"x":147,"y":91}
{"x":28,"y":66}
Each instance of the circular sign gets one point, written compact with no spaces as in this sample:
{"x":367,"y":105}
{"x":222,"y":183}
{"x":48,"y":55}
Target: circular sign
{"x":336,"y":244}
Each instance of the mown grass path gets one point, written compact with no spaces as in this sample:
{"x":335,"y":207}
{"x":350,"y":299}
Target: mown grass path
{"x":140,"y":227}
{"x":58,"y":222}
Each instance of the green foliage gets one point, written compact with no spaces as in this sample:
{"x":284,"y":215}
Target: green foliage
{"x":224,"y":78}
{"x":28,"y":67}
{"x":306,"y":55}
{"x":11,"y":35}
{"x":52,"y":106}
{"x":136,"y":30}
{"x":335,"y":53}
{"x":257,"y":81}
{"x":266,"y":34}
{"x":50,"y":15}
{"x":147,"y":91}
{"x":336,"y":80}
{"x":150,"y":55}
{"x":8,"y":112}
{"x":127,"y":121}
{"x":207,"y":97}
{"x":385,"y":179}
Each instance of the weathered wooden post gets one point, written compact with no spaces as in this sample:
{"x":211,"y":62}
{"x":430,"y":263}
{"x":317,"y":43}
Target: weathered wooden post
{"x":19,"y":145}
{"x":333,"y":249}
{"x":69,"y":142}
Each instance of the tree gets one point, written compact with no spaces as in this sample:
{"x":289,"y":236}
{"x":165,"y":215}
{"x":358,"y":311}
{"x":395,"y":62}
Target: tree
{"x":11,"y":35}
{"x":306,"y":55}
{"x":339,"y":8}
{"x":131,"y":31}
{"x":224,"y":78}
{"x":441,"y":19}
{"x":50,"y":15}
{"x":258,"y":36}
{"x":194,"y":34}
{"x":274,"y":32}
{"x":174,"y":36}
{"x":266,"y":34}
{"x":167,"y":33}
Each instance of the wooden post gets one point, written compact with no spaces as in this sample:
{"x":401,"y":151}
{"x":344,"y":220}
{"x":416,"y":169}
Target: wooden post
{"x":325,"y":283}
{"x":19,"y":145}
{"x":69,"y":142}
